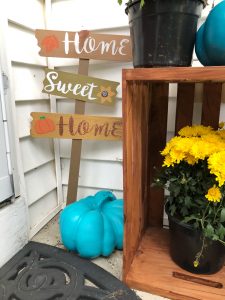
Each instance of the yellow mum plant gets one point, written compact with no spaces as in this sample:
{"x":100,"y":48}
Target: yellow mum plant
{"x":194,"y":173}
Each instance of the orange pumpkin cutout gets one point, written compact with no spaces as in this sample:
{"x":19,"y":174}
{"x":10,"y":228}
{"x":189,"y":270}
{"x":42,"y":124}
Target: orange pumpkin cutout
{"x":44,"y":125}
{"x":50,"y":43}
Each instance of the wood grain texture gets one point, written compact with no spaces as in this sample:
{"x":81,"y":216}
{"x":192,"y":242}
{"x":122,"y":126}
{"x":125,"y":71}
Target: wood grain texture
{"x":75,"y":126}
{"x":185,"y":105}
{"x":136,"y":113}
{"x":212,"y":93}
{"x":157,"y":141}
{"x":84,"y":44}
{"x":147,"y":265}
{"x":152,"y":271}
{"x":76,"y":144}
{"x":79,"y":87}
{"x":198,"y":280}
{"x":177,"y":74}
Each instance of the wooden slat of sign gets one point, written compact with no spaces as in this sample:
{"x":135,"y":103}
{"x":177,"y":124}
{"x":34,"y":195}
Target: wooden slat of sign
{"x":84,"y":44}
{"x":157,"y":141}
{"x":79,"y":87}
{"x":185,"y":105}
{"x":71,"y":126}
{"x":212,"y":93}
{"x":76,"y":145}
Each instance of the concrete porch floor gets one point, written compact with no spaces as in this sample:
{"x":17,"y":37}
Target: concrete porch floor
{"x":113,"y":264}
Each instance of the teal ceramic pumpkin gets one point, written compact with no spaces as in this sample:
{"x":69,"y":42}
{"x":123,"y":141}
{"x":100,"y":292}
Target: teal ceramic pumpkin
{"x":210,"y":38}
{"x":93,"y":226}
{"x":200,"y":48}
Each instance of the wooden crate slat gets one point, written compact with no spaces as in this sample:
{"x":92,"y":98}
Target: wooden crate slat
{"x":177,"y":74}
{"x":135,"y":151}
{"x":130,"y":242}
{"x":157,"y":141}
{"x":146,"y":167}
{"x":212,"y":93}
{"x":185,"y":105}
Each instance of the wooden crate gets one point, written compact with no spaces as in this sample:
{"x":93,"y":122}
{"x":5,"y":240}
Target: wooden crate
{"x":147,"y":265}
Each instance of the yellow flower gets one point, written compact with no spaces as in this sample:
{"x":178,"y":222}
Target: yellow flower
{"x":214,"y":194}
{"x":212,"y":138}
{"x":221,"y":125}
{"x":190,"y":159}
{"x":170,"y":145}
{"x":216,"y":165}
{"x":186,"y":131}
{"x":168,"y":161}
{"x":198,"y":143}
{"x":196,"y":130}
{"x":221,"y":134}
{"x":202,"y":149}
{"x":178,"y":148}
{"x":106,"y":94}
{"x":177,"y":155}
{"x":196,"y":263}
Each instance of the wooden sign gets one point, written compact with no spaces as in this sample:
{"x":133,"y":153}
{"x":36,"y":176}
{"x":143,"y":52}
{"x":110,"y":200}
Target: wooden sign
{"x":84,"y":44}
{"x":80,"y":87}
{"x":74,"y":126}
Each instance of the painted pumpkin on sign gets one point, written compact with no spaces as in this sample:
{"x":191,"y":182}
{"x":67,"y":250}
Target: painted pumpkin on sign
{"x":44,"y":125}
{"x":93,"y":226}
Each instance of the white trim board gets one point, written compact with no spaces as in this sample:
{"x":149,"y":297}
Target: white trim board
{"x":13,"y":229}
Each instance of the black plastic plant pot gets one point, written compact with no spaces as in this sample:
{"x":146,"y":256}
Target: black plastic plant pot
{"x":186,"y":242}
{"x":163,"y":31}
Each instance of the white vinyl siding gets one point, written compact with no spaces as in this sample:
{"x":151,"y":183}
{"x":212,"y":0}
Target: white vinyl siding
{"x":13,"y":217}
{"x":13,"y":229}
{"x":6,"y":190}
{"x":39,"y":159}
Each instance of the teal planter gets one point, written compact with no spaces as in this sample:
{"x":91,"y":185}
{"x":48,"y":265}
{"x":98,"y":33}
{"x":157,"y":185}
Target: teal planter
{"x":93,"y":226}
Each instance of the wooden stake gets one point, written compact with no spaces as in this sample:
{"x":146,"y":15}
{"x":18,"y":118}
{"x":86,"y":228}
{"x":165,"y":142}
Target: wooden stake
{"x":76,"y":144}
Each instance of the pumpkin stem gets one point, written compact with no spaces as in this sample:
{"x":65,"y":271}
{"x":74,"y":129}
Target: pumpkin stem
{"x":42,"y":117}
{"x":102,"y":197}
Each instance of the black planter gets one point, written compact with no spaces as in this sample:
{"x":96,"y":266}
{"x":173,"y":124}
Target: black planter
{"x":163,"y":31}
{"x":186,"y":242}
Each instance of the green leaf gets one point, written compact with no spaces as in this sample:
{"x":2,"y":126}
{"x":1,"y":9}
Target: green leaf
{"x":172,"y":209}
{"x":210,"y":210}
{"x":215,"y":237}
{"x":173,"y":179}
{"x":188,"y":219}
{"x":192,"y":188}
{"x":184,"y":211}
{"x":187,"y":201}
{"x":120,"y":2}
{"x":196,"y":225}
{"x":209,"y":231}
{"x":221,"y":232}
{"x":176,"y":191}
{"x":222,"y":215}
